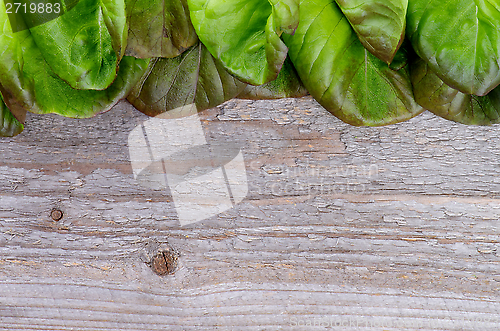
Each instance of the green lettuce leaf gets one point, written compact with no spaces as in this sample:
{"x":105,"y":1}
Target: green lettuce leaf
{"x":9,"y":125}
{"x":194,"y":77}
{"x":286,"y":85}
{"x":342,"y":75}
{"x":434,"y":95}
{"x":159,"y":28}
{"x":245,"y":34}
{"x":26,"y":14}
{"x":84,"y":45}
{"x":379,"y":24}
{"x":28,"y":81}
{"x":286,"y":15}
{"x":460,"y":40}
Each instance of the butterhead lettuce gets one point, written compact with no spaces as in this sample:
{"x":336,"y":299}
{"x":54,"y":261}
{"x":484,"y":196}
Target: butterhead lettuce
{"x":368,"y":62}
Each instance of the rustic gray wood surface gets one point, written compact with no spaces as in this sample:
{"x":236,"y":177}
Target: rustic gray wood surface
{"x":343,"y":228}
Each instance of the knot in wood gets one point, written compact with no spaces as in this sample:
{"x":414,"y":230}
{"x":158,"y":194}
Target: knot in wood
{"x":56,"y":214}
{"x":164,"y":262}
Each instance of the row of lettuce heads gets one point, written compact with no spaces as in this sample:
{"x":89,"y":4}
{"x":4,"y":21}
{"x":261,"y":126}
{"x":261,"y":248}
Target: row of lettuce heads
{"x":368,"y":62}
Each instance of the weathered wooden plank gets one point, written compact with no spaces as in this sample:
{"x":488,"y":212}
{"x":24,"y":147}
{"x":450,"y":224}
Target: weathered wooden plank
{"x":374,"y":228}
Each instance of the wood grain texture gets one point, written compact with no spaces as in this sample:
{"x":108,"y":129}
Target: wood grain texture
{"x":343,"y":228}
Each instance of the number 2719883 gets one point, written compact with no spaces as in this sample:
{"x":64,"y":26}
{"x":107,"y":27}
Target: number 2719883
{"x":39,"y":8}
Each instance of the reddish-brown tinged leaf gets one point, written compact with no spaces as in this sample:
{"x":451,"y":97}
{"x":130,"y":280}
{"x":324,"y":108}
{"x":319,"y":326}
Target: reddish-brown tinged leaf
{"x":193,"y":77}
{"x":287,"y":85}
{"x":159,"y":28}
{"x":9,"y":125}
{"x":434,"y":95}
